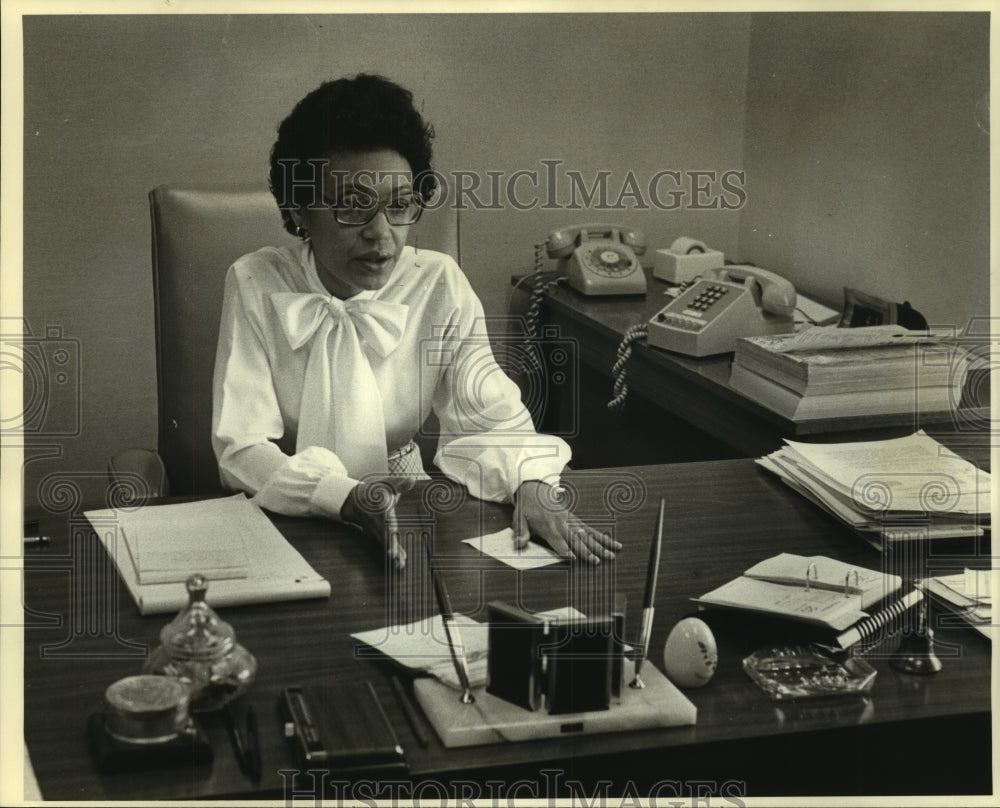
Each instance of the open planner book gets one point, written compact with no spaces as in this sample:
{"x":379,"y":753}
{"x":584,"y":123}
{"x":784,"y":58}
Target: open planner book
{"x":816,"y":590}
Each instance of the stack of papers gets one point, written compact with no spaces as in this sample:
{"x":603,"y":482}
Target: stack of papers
{"x":965,"y":593}
{"x":889,"y":490}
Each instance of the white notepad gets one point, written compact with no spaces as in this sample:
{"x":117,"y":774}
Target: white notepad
{"x":211,"y":542}
{"x":229,"y":540}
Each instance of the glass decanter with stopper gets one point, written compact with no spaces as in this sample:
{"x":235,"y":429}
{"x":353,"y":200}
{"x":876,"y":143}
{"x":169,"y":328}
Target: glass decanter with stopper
{"x":200,"y":649}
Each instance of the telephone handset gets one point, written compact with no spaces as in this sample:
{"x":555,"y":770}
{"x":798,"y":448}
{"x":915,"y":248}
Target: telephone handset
{"x":600,"y":259}
{"x":771,"y":292}
{"x":722,"y":306}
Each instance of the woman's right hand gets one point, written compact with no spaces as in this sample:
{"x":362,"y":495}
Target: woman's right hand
{"x":371,"y":506}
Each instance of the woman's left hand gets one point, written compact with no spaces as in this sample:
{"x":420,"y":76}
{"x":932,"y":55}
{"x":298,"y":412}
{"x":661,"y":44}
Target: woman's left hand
{"x":539,"y":508}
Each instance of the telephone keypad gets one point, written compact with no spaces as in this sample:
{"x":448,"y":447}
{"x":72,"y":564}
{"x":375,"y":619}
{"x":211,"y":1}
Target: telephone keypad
{"x":707,"y":298}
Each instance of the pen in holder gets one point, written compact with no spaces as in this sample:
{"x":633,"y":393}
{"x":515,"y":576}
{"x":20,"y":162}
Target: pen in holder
{"x":455,"y":646}
{"x":646,"y":628}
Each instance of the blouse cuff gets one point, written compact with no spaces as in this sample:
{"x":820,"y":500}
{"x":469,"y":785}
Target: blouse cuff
{"x":312,"y":482}
{"x":495,"y":472}
{"x":330,"y":494}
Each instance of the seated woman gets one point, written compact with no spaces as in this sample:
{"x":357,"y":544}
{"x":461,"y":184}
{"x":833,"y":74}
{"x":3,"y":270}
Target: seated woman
{"x":332,"y":352}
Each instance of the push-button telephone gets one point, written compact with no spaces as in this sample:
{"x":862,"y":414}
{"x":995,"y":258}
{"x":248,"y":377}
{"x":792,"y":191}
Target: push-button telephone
{"x":723,"y":305}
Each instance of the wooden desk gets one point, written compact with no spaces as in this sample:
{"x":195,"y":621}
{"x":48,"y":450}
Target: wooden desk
{"x":913,"y":736}
{"x":697,"y":391}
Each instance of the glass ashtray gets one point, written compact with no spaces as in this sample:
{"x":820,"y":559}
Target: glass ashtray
{"x":802,"y":672}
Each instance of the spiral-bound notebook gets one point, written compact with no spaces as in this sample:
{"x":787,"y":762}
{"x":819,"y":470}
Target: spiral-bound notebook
{"x":820,"y":591}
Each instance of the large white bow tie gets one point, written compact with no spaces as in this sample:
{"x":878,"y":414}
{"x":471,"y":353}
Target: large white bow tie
{"x":380,"y":324}
{"x":341,"y":407}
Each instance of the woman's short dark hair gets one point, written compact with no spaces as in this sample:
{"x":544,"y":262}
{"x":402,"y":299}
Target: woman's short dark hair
{"x":346,"y":116}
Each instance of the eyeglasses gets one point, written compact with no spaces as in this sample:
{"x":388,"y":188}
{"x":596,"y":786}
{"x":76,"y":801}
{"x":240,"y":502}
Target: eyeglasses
{"x":359,"y":209}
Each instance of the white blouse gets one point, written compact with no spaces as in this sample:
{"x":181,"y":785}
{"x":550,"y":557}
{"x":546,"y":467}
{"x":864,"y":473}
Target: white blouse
{"x":305,"y":383}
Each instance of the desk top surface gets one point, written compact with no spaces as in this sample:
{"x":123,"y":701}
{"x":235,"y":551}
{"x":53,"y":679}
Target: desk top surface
{"x":83,"y":631}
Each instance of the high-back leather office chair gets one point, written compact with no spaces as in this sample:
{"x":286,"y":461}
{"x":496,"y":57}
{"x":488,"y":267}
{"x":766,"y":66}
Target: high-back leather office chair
{"x":197,"y":234}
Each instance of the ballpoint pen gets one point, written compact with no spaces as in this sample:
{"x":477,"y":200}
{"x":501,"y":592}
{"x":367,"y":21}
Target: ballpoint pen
{"x":647,"y":601}
{"x":385,"y":718}
{"x":253,"y":746}
{"x":455,"y":646}
{"x":247,"y":752}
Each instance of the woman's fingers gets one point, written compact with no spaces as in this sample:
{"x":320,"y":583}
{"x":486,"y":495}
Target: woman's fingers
{"x":522,"y":533}
{"x":371,"y":505}
{"x":394,"y":549}
{"x":584,"y":542}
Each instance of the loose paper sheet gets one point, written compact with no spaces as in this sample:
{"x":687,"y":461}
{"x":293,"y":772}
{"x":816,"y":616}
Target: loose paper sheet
{"x":500,"y":545}
{"x":423,"y":646}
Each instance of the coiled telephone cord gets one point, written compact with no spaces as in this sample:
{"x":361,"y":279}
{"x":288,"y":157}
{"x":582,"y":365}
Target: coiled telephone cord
{"x":634,"y":334}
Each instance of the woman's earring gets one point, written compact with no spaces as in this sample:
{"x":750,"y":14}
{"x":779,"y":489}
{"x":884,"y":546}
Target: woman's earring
{"x":301,"y":232}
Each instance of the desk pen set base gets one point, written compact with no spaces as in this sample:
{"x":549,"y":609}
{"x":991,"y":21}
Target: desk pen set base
{"x":549,"y":679}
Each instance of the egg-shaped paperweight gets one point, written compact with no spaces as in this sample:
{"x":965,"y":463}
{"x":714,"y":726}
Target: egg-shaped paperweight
{"x":690,"y":654}
{"x":200,"y":649}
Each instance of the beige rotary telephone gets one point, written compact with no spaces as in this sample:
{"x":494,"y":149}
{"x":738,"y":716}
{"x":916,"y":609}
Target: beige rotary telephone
{"x":722,"y":306}
{"x":600,"y":259}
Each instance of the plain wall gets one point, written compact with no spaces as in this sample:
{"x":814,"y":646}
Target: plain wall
{"x":867,"y":157}
{"x":117,"y":105}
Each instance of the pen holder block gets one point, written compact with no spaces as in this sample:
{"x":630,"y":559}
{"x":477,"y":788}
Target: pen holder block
{"x":563,"y":667}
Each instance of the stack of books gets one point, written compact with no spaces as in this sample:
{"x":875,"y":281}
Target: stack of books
{"x":828,"y":372}
{"x":891,"y":490}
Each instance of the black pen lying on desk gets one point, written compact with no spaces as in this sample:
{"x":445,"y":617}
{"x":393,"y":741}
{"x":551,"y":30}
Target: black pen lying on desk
{"x":652,"y":570}
{"x":409,"y":711}
{"x":247,"y":750}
